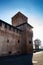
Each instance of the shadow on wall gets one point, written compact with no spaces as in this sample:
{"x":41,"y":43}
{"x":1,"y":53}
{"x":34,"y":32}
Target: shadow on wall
{"x":24,"y":59}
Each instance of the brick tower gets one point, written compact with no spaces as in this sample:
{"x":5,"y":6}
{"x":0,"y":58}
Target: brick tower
{"x":20,"y":21}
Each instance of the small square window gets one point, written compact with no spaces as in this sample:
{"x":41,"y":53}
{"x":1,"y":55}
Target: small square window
{"x":7,"y":41}
{"x":9,"y":52}
{"x":30,"y":42}
{"x":18,"y":41}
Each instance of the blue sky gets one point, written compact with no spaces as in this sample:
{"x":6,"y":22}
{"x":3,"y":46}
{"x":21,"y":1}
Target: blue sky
{"x":28,"y":7}
{"x":33,"y":9}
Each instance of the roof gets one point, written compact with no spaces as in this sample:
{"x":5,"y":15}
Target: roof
{"x":19,"y":14}
{"x":25,"y":23}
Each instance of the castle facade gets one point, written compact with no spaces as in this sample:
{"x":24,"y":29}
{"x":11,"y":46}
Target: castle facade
{"x":16,"y":38}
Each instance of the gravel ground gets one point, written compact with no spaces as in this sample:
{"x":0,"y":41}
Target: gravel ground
{"x":38,"y":58}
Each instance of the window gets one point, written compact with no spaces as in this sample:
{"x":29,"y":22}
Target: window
{"x":18,"y":41}
{"x":30,"y":42}
{"x":7,"y":41}
{"x":10,"y":52}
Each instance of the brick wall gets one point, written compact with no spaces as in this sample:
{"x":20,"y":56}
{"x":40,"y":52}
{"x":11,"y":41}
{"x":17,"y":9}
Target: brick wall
{"x":9,"y":41}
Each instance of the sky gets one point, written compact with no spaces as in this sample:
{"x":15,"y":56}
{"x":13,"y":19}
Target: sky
{"x":33,"y":9}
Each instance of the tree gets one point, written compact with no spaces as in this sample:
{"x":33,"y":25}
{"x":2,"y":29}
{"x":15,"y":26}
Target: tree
{"x":37,"y":43}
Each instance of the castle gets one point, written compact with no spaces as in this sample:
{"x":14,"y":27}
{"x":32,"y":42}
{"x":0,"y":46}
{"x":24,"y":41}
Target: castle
{"x":16,"y":38}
